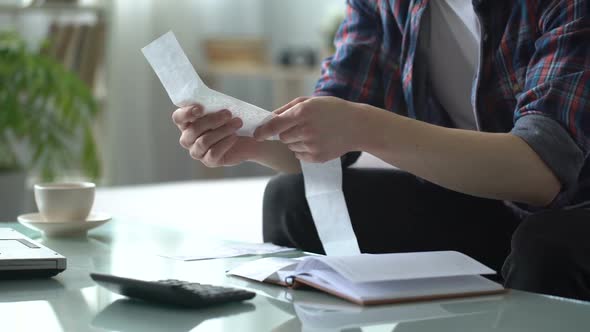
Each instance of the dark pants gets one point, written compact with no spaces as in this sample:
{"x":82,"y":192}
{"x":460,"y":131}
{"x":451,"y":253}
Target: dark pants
{"x":393,"y":211}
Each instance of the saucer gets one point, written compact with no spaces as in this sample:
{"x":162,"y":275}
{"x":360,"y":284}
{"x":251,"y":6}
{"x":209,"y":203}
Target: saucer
{"x":35,"y":221}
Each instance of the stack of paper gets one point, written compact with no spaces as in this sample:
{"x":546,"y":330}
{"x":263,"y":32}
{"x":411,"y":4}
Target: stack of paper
{"x":231,"y":250}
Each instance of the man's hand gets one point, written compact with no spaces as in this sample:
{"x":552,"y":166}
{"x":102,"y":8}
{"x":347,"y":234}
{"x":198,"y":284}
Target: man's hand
{"x":212,"y":138}
{"x":316,"y":129}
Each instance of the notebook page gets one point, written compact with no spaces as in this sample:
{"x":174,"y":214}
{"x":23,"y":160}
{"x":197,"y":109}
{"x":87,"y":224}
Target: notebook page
{"x":400,"y":266}
{"x":264,"y":269}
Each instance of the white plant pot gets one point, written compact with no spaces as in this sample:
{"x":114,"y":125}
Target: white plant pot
{"x":12,"y":194}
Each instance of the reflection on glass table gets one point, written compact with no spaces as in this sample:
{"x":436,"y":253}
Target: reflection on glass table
{"x":515,"y":311}
{"x":329,"y":315}
{"x":134,"y":315}
{"x":55,"y":306}
{"x":72,"y":302}
{"x":37,"y":290}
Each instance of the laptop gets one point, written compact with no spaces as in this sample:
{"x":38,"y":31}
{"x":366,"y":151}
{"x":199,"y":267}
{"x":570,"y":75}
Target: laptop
{"x":23,"y":258}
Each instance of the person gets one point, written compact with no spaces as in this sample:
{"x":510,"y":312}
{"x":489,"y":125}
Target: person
{"x":482,"y":106}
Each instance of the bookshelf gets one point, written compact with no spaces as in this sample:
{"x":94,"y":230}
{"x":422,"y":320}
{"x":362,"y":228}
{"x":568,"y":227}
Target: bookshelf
{"x":52,"y":8}
{"x":77,"y":33}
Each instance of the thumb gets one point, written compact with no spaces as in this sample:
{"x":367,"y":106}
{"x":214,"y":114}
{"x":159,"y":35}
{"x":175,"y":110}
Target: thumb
{"x":290,"y":105}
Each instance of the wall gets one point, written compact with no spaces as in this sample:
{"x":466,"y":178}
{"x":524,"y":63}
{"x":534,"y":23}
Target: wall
{"x":298,"y":22}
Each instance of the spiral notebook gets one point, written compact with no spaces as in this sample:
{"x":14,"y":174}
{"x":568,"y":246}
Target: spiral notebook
{"x":378,"y":279}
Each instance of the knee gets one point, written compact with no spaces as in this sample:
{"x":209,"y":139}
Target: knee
{"x":283,"y":194}
{"x":539,"y":259}
{"x":284,"y":198}
{"x":535,"y":247}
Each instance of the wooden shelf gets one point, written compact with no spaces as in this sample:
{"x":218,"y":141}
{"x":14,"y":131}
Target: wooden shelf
{"x":265,"y":71}
{"x":287,"y":82}
{"x":64,"y":7}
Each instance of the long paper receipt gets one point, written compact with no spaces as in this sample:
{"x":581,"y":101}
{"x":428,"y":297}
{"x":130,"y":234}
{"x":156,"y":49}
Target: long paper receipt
{"x":323,"y":182}
{"x":185,"y":87}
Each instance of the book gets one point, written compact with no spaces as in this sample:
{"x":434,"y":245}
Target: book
{"x":63,"y":38}
{"x":371,"y":279}
{"x":92,"y":53}
{"x":78,"y":47}
{"x":71,"y":54}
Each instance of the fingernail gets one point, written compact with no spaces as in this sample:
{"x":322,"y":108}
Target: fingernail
{"x":227,"y":114}
{"x":196,"y":111}
{"x":237,"y":123}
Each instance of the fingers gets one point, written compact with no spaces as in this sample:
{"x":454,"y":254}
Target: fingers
{"x":215,"y":156}
{"x":205,"y":123}
{"x":206,"y":141}
{"x":273,"y":127}
{"x":211,"y":121}
{"x":287,"y":117}
{"x":298,"y":147}
{"x":279,"y":124}
{"x":292,"y":135}
{"x":292,"y":103}
{"x":304,"y":157}
{"x":186,"y":115}
{"x":310,"y":157}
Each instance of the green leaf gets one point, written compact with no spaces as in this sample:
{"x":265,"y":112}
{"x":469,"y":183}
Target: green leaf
{"x":48,"y":109}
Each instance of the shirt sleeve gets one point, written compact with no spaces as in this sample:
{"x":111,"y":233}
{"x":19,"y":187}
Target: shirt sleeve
{"x":353,"y":73}
{"x":553,"y":111}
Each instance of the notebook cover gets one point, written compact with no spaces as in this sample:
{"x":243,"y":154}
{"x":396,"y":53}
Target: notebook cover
{"x":298,"y":282}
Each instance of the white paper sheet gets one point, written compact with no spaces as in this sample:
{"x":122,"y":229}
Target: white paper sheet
{"x":262,"y":269}
{"x":398,"y":266}
{"x":231,"y":250}
{"x":323,"y":182}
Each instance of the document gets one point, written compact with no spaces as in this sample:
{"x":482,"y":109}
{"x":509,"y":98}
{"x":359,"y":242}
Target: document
{"x":232,"y":250}
{"x":323,"y":182}
{"x":265,"y":268}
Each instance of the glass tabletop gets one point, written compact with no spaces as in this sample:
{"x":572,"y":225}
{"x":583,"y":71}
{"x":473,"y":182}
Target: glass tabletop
{"x":72,"y":302}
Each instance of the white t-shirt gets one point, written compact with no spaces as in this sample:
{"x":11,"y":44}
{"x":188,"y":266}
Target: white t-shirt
{"x":453,"y":57}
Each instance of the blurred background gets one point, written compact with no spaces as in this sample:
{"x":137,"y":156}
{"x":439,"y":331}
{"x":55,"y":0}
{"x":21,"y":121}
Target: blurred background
{"x":78,"y":100}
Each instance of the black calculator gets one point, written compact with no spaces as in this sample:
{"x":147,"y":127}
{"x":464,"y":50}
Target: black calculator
{"x":172,"y":291}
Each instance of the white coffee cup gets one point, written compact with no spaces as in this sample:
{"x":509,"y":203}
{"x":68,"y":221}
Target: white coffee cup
{"x":64,"y":202}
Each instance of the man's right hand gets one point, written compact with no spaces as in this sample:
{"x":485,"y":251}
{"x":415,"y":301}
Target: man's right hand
{"x":212,"y":139}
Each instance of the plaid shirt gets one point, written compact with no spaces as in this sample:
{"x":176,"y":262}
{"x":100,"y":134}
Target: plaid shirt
{"x":533,"y":79}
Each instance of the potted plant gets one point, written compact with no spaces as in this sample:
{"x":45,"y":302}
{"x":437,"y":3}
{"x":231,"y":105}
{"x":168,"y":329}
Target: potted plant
{"x":46,"y":117}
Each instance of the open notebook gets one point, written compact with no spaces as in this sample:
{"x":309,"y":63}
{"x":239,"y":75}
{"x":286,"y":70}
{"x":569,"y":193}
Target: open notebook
{"x":378,"y":279}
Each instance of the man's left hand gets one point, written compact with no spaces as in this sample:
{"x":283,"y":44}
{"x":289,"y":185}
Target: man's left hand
{"x":316,"y":129}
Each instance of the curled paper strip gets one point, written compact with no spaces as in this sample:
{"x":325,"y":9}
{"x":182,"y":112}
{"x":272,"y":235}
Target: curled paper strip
{"x":323,"y":182}
{"x":185,"y":87}
{"x":323,"y":190}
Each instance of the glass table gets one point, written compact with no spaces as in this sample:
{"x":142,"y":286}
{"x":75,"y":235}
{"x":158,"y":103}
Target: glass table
{"x":72,"y":302}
